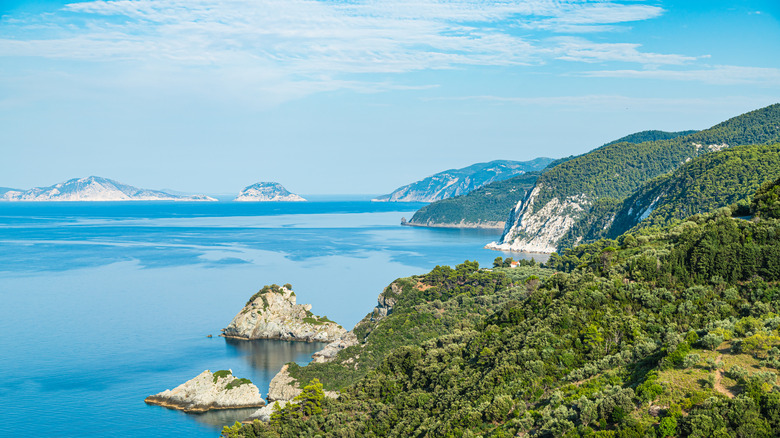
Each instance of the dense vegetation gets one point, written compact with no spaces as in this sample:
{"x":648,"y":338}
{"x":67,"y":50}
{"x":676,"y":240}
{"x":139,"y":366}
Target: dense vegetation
{"x":489,"y":203}
{"x":704,"y":184}
{"x":615,"y":170}
{"x":644,"y":136}
{"x":492,"y":203}
{"x":671,"y":332}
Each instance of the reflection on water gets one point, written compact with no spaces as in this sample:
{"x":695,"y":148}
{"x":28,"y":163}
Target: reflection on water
{"x":222,"y":417}
{"x":267,"y":356}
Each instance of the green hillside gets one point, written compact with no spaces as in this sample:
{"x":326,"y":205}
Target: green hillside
{"x":491,"y":204}
{"x":618,"y":169}
{"x":704,"y":184}
{"x":673,"y":333}
{"x":488,"y":204}
{"x":644,"y":136}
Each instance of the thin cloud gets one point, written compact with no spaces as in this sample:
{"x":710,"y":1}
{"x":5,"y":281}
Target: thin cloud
{"x":718,"y":75}
{"x":306,"y":46}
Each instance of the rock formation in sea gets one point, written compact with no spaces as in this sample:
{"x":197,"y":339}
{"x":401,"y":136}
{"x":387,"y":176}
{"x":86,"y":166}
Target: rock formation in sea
{"x":272,"y":313}
{"x":219,"y":390}
{"x":267,"y":192}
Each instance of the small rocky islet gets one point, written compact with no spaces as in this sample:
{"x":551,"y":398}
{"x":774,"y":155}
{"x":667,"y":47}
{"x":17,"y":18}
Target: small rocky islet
{"x":218,"y":390}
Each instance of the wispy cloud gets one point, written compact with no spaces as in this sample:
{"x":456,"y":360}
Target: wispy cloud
{"x":297,"y":47}
{"x":720,"y":75}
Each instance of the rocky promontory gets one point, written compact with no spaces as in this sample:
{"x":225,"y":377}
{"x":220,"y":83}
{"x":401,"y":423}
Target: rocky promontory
{"x":272,"y":313}
{"x":219,"y":390}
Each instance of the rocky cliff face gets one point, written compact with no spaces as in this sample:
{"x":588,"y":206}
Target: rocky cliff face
{"x":533,"y":228}
{"x":220,"y":390}
{"x":273,"y":314}
{"x":267,"y":192}
{"x":94,"y":188}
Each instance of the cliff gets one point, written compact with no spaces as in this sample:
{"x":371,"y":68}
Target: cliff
{"x":272,"y":313}
{"x":267,"y":192}
{"x":554,"y":215}
{"x":219,"y":390}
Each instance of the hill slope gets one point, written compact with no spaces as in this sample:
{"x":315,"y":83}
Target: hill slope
{"x":565,"y":193}
{"x":485,"y":207}
{"x":489,"y":206}
{"x":454,"y":182}
{"x":673,"y":334}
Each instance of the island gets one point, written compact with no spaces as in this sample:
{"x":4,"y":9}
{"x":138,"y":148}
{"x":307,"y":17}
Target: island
{"x":267,"y":192}
{"x":272,"y":313}
{"x":94,"y":188}
{"x":218,"y":390}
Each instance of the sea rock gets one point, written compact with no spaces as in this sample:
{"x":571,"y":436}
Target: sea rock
{"x":267,"y":192}
{"x":220,"y":390}
{"x":273,"y":314}
{"x":94,"y":188}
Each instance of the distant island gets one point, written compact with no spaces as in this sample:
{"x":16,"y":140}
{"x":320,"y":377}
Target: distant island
{"x":93,"y":188}
{"x":456,"y":182}
{"x":267,"y":192}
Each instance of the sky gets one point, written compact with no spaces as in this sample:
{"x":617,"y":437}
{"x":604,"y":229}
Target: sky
{"x":359,"y":96}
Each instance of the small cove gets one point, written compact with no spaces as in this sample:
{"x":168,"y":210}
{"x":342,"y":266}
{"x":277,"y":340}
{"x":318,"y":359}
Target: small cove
{"x":104,"y":305}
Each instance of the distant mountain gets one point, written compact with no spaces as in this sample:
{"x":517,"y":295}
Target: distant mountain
{"x":267,"y":192}
{"x":490,"y":205}
{"x":4,"y":190}
{"x":485,"y":207}
{"x":455,"y":182}
{"x":550,"y":218}
{"x":94,"y":188}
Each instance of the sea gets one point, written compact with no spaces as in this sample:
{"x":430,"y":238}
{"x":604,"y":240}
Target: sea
{"x":105,"y":303}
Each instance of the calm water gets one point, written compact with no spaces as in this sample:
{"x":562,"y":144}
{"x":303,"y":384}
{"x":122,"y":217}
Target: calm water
{"x":104,"y":304}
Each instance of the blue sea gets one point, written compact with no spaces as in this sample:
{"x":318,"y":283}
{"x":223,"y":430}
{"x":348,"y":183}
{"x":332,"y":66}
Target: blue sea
{"x":103,"y":304}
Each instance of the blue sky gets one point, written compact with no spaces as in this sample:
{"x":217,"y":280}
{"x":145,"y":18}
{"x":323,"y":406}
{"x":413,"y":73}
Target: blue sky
{"x":359,"y":96}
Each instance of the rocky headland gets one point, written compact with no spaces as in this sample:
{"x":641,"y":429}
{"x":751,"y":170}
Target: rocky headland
{"x":272,"y":313}
{"x":219,"y":390}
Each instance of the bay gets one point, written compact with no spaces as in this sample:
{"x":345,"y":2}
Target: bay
{"x":106,"y":303}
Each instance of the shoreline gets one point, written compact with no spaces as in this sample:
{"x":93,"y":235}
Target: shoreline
{"x":466,"y":226}
{"x":156,"y":401}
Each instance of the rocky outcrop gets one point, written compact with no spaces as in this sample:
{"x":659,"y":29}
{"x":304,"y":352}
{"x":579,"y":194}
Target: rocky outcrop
{"x":331,"y":350}
{"x":283,"y":386}
{"x":264,"y":413}
{"x":273,"y":314}
{"x":219,"y":390}
{"x":540,"y":229}
{"x":267,"y":192}
{"x":95,"y":188}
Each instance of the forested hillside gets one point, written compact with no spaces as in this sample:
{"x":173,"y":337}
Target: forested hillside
{"x":489,"y":206}
{"x":486,"y":207}
{"x":557,"y":209}
{"x":669,"y":333}
{"x":703,"y":184}
{"x":653,"y":135}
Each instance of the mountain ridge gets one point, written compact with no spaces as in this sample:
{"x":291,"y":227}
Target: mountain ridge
{"x":94,"y":189}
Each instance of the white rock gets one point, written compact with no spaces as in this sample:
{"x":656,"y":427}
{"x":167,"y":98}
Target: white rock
{"x":267,"y":192}
{"x":275,"y":315}
{"x":206,"y":392}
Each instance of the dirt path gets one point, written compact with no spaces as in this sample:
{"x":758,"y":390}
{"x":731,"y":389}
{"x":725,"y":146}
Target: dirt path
{"x":718,"y":385}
